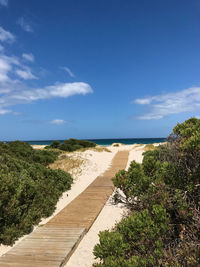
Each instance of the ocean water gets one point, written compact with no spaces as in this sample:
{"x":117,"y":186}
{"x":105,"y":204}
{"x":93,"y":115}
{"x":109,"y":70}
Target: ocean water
{"x":107,"y":142}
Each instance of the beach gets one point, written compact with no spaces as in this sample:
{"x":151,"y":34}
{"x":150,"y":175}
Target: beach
{"x":92,"y":163}
{"x":100,"y":133}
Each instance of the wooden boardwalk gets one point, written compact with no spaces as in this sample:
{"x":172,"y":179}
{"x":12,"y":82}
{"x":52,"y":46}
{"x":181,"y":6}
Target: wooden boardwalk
{"x":53,"y":244}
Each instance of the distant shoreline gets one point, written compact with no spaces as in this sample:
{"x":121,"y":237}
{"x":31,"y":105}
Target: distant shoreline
{"x":107,"y":142}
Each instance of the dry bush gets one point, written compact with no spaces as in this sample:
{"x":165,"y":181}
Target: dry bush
{"x":101,"y":149}
{"x":149,"y":147}
{"x":69,"y":163}
{"x":96,"y":149}
{"x":137,"y":145}
{"x":117,"y":144}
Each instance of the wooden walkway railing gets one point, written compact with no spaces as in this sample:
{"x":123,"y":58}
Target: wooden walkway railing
{"x":53,"y":244}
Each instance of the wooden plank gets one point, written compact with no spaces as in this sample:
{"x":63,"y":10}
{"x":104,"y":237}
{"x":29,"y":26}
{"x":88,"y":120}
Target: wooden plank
{"x":35,"y":257}
{"x":42,"y":252}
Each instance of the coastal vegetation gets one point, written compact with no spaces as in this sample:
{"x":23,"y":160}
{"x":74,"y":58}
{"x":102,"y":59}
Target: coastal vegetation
{"x":163,"y":198}
{"x":23,"y":151}
{"x":68,"y":163}
{"x":117,"y":144}
{"x":101,"y":149}
{"x":29,"y":190}
{"x":96,"y":149}
{"x":149,"y":147}
{"x":71,"y":145}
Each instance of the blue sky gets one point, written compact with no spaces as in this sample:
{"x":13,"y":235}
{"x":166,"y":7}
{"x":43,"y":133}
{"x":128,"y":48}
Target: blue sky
{"x":97,"y":68}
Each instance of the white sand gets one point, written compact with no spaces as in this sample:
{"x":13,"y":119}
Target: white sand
{"x":96,"y":164}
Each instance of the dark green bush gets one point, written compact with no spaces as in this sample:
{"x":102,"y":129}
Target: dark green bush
{"x":66,"y":147}
{"x":54,"y":144}
{"x":137,"y":240}
{"x":23,"y":151}
{"x":72,"y":145}
{"x":28,"y":190}
{"x":163,"y":196}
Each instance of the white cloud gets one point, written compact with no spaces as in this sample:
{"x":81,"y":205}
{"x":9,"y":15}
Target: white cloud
{"x":12,"y":65}
{"x":6,"y":64}
{"x":4,"y":2}
{"x":28,"y":57}
{"x":25,"y":74}
{"x":171,"y":103}
{"x":6,"y":36}
{"x":71,"y":74}
{"x":67,"y":89}
{"x":143,"y":101}
{"x":1,"y":48}
{"x":58,"y":90}
{"x":4,"y":69}
{"x":57,"y":122}
{"x":14,"y":90}
{"x":24,"y":25}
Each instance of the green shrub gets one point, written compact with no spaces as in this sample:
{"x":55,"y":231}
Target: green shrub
{"x":137,"y":240}
{"x":28,"y":190}
{"x":163,"y":197}
{"x":71,"y":145}
{"x":22,"y":150}
{"x":54,"y":144}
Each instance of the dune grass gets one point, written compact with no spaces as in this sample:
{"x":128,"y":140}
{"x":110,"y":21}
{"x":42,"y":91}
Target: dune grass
{"x":68,"y":163}
{"x":97,"y":149}
{"x":149,"y":147}
{"x":138,"y":145}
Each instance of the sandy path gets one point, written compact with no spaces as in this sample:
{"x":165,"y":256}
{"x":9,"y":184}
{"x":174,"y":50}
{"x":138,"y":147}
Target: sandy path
{"x":108,"y":217}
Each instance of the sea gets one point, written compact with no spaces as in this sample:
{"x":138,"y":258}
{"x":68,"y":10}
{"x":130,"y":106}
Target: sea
{"x":107,"y":142}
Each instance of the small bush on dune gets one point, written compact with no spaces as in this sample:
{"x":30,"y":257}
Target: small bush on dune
{"x":116,"y":145}
{"x":163,"y":197}
{"x":28,"y":190}
{"x":149,"y":147}
{"x":54,"y":144}
{"x":44,"y":157}
{"x":101,"y":149}
{"x":71,"y":145}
